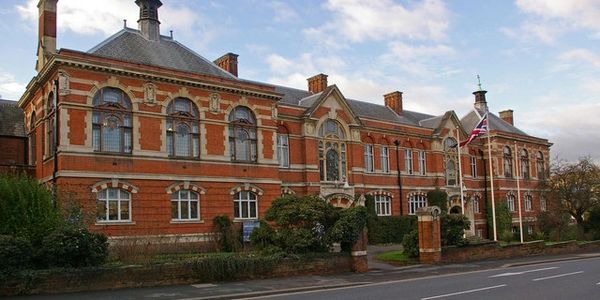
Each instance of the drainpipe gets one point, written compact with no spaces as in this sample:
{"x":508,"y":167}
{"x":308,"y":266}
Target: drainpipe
{"x":56,"y":141}
{"x":397,"y":143}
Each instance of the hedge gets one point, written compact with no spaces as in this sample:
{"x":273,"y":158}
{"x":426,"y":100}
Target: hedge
{"x":388,"y":229}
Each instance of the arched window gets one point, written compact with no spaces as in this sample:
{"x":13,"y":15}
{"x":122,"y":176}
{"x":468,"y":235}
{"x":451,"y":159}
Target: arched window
{"x":111,"y":119}
{"x":245,"y":205}
{"x":451,"y":157}
{"x":113,"y":205}
{"x":332,"y":151}
{"x":416,"y":201}
{"x":51,"y":124}
{"x":383,"y":205}
{"x":524,"y":164}
{"x":185,"y":205}
{"x":242,"y":134}
{"x":508,"y":162}
{"x":510,"y":202}
{"x":539,"y":163}
{"x":283,"y":147}
{"x":182,"y":128}
{"x":528,"y":202}
{"x":32,"y":140}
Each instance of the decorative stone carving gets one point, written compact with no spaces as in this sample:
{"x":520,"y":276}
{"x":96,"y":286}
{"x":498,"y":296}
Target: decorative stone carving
{"x":356,"y":134}
{"x":309,"y":129}
{"x":274,"y":112}
{"x":332,"y":113}
{"x":63,"y":84}
{"x":214,"y":102}
{"x":149,"y":93}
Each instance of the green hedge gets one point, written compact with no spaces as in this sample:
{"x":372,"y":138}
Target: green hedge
{"x":220,"y":268}
{"x":384,"y":230}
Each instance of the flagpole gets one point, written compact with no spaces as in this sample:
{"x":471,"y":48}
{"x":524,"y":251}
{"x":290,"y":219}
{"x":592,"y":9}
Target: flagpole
{"x":519,"y":192}
{"x":489,"y":142}
{"x":462,"y":202}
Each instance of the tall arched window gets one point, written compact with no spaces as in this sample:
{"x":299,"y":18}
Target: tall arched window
{"x":383,"y":205}
{"x":283,"y":147}
{"x":539,"y":164}
{"x":32,"y":140}
{"x":510,"y":202}
{"x":528,"y":203}
{"x":242,"y":134}
{"x":182,"y":128}
{"x":508,"y":162}
{"x":524,"y":164}
{"x":451,"y":157}
{"x":332,"y":151}
{"x":111,"y":119}
{"x":51,"y":124}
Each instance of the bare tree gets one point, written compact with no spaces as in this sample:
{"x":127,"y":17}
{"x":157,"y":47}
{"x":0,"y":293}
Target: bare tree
{"x":574,"y":187}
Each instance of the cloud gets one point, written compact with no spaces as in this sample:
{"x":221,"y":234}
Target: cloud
{"x":283,"y":12}
{"x":106,"y":17}
{"x":359,"y":21}
{"x":581,"y":55}
{"x":420,"y":60}
{"x":10,"y":88}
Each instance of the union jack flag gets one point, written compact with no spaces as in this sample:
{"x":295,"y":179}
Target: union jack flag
{"x":479,"y":130}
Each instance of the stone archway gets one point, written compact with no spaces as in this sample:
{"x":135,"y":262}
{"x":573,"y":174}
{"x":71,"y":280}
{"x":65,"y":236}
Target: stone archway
{"x":455,"y":207}
{"x":342,"y":200}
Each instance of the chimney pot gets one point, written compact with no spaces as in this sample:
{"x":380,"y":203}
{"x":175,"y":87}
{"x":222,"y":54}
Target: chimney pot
{"x":507,"y":116}
{"x":229,"y":63}
{"x":317,"y":83}
{"x":393,"y":100}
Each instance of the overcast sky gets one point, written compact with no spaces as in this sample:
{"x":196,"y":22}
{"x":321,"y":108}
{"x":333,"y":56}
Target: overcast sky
{"x":540,"y":58}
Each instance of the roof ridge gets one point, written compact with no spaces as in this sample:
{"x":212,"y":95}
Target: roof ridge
{"x":108,"y":40}
{"x":203,"y":58}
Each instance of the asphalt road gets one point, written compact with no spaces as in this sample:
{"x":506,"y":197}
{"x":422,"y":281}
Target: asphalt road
{"x":578,"y":279}
{"x":552,"y":277}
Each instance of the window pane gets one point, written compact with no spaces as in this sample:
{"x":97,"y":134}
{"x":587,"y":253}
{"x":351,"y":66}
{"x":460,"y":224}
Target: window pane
{"x":113,"y":193}
{"x":127,"y":140}
{"x":244,"y":209}
{"x":96,"y":138}
{"x":174,"y":210}
{"x":125,"y":210}
{"x":111,"y":136}
{"x":101,"y":210}
{"x":194,"y":209}
{"x":124,"y":194}
{"x":253,"y":209}
{"x":196,"y":146}
{"x":184,"y":210}
{"x":113,"y":210}
{"x":170,"y":143}
{"x":182,"y":142}
{"x":236,"y":209}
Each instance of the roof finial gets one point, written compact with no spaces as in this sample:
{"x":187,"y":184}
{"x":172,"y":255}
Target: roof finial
{"x":479,"y":82}
{"x":124,"y":23}
{"x":171,"y":31}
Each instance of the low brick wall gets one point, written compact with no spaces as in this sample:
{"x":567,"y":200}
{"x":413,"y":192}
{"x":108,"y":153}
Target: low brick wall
{"x":103,"y":278}
{"x":492,"y":250}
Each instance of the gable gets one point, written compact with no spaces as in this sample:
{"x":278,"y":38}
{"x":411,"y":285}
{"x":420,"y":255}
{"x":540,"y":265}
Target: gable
{"x":334,"y":104}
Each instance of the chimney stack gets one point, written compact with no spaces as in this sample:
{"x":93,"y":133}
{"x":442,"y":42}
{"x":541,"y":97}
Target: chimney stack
{"x":148,"y":23}
{"x":507,"y":116}
{"x":47,"y":32}
{"x":480,"y":102}
{"x":229,"y":63}
{"x":393,"y":100}
{"x":317,"y":83}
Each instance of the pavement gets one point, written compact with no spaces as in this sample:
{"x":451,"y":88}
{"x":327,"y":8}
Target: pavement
{"x":378,"y":272}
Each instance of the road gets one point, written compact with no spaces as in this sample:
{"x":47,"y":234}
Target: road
{"x":533,"y":278}
{"x":579,"y":279}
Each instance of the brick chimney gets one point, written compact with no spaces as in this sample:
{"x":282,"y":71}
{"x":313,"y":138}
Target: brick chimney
{"x":46,"y":32}
{"x":480,"y":102}
{"x":229,"y":63}
{"x":393,"y":100}
{"x":317,"y":83}
{"x":507,"y":116}
{"x":148,"y":23}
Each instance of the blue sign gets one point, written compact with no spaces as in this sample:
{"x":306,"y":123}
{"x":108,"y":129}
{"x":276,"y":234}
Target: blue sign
{"x":248,"y":227}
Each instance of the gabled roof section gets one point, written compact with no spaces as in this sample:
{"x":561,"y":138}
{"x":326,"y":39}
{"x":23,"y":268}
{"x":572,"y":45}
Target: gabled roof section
{"x":317,"y":100}
{"x":440,"y":121}
{"x":470,"y":120}
{"x":12,"y":119}
{"x":130,"y":46}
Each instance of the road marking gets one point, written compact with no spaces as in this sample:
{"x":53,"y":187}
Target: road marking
{"x":557,"y":276}
{"x":522,"y":272}
{"x":465,"y":292}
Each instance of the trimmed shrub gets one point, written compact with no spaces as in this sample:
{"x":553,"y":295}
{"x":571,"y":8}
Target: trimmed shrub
{"x":15,"y":253}
{"x":387,"y":229}
{"x":410,"y":243}
{"x":218,"y":268}
{"x":73,"y":247}
{"x":438,"y":198}
{"x":229,"y":236}
{"x":453,"y":228}
{"x":349,"y":227}
{"x":503,"y":217}
{"x":507,"y":236}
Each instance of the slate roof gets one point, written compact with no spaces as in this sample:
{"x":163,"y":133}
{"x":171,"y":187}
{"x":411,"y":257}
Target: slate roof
{"x":129,"y":45}
{"x":12,"y":119}
{"x":470,"y":121}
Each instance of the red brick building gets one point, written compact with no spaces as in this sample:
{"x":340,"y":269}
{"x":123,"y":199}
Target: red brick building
{"x":156,"y":140}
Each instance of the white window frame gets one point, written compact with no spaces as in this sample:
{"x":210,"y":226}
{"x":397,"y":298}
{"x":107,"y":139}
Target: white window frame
{"x":476,"y":203}
{"x":543,"y":204}
{"x":242,"y":199}
{"x":474,"y":166}
{"x":408,"y":161}
{"x":422,"y":162}
{"x":283,"y":150}
{"x":385,"y":159}
{"x":383,"y":205}
{"x":189,"y":200}
{"x":369,"y":159}
{"x":416,"y":201}
{"x":106,"y":201}
{"x":528,"y":202}
{"x":510,"y":202}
